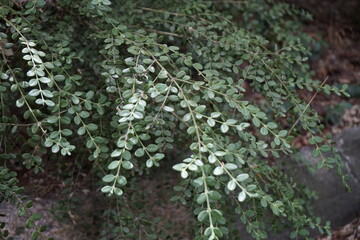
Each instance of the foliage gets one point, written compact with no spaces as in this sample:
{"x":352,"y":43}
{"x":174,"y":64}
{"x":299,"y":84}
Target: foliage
{"x":125,"y":83}
{"x":334,"y":113}
{"x":11,"y":192}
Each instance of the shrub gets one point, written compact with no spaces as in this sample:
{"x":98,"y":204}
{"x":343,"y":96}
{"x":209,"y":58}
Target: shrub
{"x":126,"y":83}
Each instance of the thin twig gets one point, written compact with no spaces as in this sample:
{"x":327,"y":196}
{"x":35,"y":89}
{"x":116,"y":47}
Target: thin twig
{"x":312,"y":99}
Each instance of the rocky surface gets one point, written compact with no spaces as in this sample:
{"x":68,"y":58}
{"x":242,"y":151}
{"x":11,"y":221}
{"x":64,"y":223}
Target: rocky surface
{"x":335,"y":203}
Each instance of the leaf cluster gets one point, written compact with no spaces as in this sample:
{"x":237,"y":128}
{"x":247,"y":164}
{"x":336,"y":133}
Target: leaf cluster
{"x":126,"y":82}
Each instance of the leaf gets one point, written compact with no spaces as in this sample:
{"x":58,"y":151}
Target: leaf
{"x":90,"y":94}
{"x":59,"y":78}
{"x":159,"y":156}
{"x":92,"y":127}
{"x":191,"y":130}
{"x":202,"y":216}
{"x":198,"y":66}
{"x":201,"y":198}
{"x":188,"y":62}
{"x":84,"y":114}
{"x":242,"y":177}
{"x":242,"y":196}
{"x":121,"y":181}
{"x":20,"y":102}
{"x":325,"y":148}
{"x":127,"y":165}
{"x":224,"y":128}
{"x":128,"y":106}
{"x":218,"y":171}
{"x":49,"y":65}
{"x":37,"y":59}
{"x":126,"y":154}
{"x":152,"y":147}
{"x":34,"y":92}
{"x":48,"y":94}
{"x":163,"y":74}
{"x":315,"y":153}
{"x":66,"y":132}
{"x":29,"y":204}
{"x":108,"y":178}
{"x":45,"y":80}
{"x":187,"y":117}
{"x":81,"y":131}
{"x":214,"y":195}
{"x":148,"y":61}
{"x":211,"y":122}
{"x":231,"y":166}
{"x":192,"y":167}
{"x":212,"y":158}
{"x":277,"y":141}
{"x":49,"y":103}
{"x":179,"y":166}
{"x":231,"y":185}
{"x":55,"y":148}
{"x":30,"y":73}
{"x":180,"y":74}
{"x":139,"y":152}
{"x":118,"y":191}
{"x":263,"y":203}
{"x":40,"y":101}
{"x":215,"y":114}
{"x":168,"y":109}
{"x":282,"y":133}
{"x":184,"y":174}
{"x":231,"y":121}
{"x":113,"y":165}
{"x":35,"y":235}
{"x":256,"y":122}
{"x":106,"y":189}
{"x":149,"y":163}
{"x":36,"y":216}
{"x":264,"y":131}
{"x":272,"y":125}
{"x":220,"y":153}
{"x":138,"y":115}
{"x":116,"y":153}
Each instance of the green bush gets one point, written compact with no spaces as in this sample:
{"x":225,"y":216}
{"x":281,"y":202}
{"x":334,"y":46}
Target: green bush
{"x":128,"y":84}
